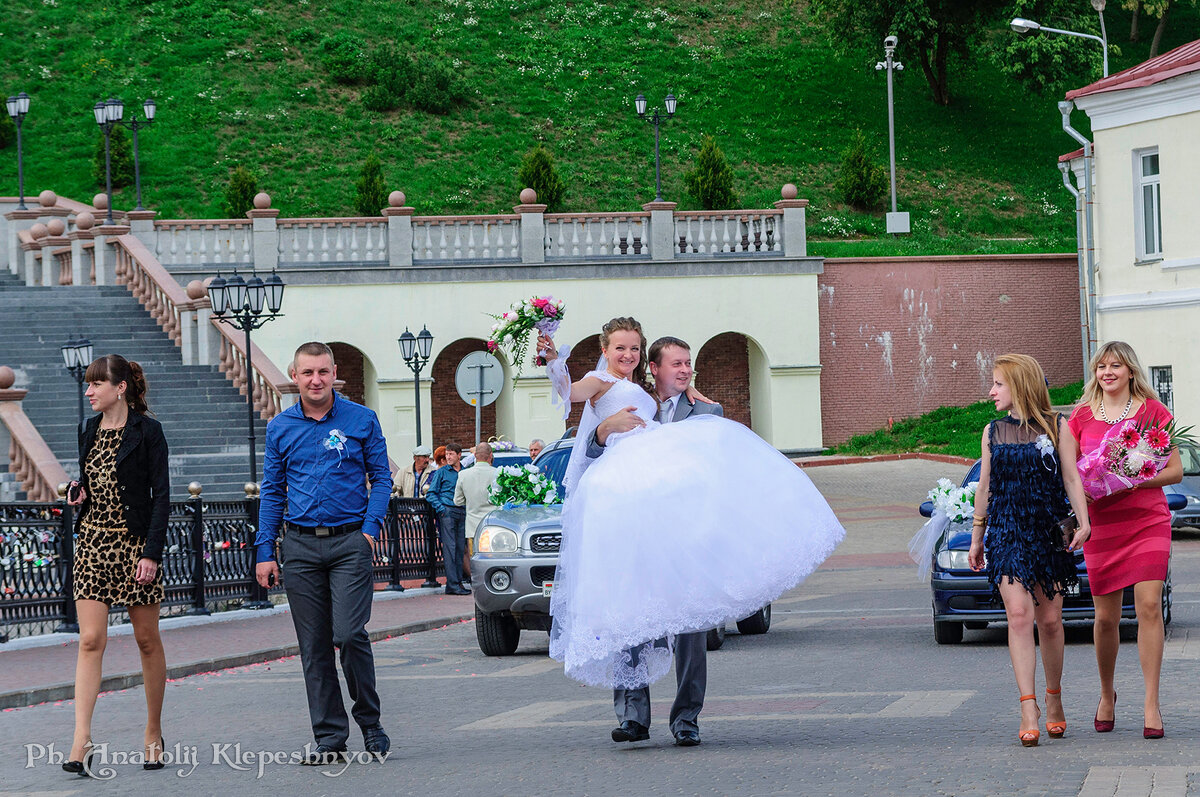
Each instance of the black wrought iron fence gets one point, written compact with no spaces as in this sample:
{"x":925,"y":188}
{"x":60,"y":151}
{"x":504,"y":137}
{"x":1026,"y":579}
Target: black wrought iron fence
{"x":208,"y":559}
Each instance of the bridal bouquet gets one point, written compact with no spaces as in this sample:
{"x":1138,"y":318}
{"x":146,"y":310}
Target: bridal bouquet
{"x":522,"y":485}
{"x":1129,"y":454}
{"x":513,"y":328}
{"x":951,"y":504}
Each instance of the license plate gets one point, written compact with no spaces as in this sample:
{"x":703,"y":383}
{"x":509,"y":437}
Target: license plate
{"x":547,"y":588}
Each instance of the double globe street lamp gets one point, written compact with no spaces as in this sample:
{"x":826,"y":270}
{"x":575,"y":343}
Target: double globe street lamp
{"x":639,"y":105}
{"x":77,"y":356}
{"x":18,"y":106}
{"x":246,"y":305}
{"x":110,"y":114}
{"x":416,"y":350}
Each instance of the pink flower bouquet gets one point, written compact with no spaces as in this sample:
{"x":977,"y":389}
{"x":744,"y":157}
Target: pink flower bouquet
{"x":1128,"y":455}
{"x":512,"y":329}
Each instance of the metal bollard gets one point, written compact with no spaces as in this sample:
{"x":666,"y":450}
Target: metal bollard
{"x":258,"y":595}
{"x":199,"y":574}
{"x":66,"y":564}
{"x":431,"y":544}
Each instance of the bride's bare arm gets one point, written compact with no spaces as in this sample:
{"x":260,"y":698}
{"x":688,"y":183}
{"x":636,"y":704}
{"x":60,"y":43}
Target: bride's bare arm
{"x":695,"y":395}
{"x":584,"y":390}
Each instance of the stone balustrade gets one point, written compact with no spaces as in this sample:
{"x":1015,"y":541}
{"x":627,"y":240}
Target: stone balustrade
{"x":29,"y":458}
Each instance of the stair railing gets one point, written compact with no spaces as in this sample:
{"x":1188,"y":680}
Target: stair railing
{"x":273,"y":391}
{"x":150,"y":283}
{"x":29,"y":457}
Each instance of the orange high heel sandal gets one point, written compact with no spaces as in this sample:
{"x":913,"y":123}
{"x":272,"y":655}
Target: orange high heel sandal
{"x":1055,"y":729}
{"x":1029,"y":738}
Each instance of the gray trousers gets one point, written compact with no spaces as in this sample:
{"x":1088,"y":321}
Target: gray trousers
{"x":329,"y":587}
{"x":452,"y":528}
{"x":691,"y":677}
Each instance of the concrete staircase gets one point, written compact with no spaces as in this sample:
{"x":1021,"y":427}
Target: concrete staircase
{"x":203,"y":415}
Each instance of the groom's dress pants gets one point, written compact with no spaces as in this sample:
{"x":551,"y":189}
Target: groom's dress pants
{"x":691,"y":677}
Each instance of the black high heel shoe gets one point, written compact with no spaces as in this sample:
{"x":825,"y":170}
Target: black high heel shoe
{"x":82,"y":768}
{"x":162,"y":751}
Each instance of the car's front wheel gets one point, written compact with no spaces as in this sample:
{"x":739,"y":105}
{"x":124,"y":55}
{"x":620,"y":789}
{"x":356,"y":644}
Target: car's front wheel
{"x":498,"y":634}
{"x":757,"y":623}
{"x":947,"y":633}
{"x":715,"y":638}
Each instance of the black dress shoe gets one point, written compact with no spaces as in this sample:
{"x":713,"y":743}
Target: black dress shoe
{"x":151,"y":766}
{"x":323,"y":755}
{"x":630,"y":731}
{"x":82,"y":768}
{"x":376,"y":740}
{"x":687,"y":738}
{"x":457,"y":591}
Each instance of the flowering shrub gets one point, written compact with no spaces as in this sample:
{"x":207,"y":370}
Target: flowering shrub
{"x":522,"y":485}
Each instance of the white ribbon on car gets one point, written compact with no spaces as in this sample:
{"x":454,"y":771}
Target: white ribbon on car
{"x":921,"y":547}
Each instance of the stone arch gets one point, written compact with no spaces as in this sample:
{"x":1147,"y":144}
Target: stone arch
{"x":352,"y":368}
{"x":584,"y":356}
{"x":453,"y":420}
{"x":723,"y":373}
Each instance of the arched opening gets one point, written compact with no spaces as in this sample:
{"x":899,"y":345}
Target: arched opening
{"x":351,"y":369}
{"x":584,"y":356}
{"x":723,"y":374}
{"x":454,"y":419}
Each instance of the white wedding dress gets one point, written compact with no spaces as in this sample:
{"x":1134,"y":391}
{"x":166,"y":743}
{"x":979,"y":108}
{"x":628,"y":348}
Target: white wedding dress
{"x":677,"y":527}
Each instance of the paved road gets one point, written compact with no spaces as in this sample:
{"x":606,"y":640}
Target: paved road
{"x":847,"y":695}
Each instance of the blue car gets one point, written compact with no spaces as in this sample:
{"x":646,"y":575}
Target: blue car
{"x":964,"y":598}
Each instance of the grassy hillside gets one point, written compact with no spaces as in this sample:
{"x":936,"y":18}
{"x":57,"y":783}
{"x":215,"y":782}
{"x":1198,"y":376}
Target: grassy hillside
{"x":243,"y":82}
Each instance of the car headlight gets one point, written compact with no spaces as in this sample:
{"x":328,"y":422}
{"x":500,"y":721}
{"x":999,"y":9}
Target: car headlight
{"x":952,"y":559}
{"x":1193,"y":499}
{"x":494,"y":539}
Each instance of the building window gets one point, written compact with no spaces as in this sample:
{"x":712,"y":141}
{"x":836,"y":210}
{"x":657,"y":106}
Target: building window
{"x":1149,"y":214}
{"x":1160,"y":379}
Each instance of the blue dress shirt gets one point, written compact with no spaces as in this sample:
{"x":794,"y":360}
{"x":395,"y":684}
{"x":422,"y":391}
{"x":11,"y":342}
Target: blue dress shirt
{"x":319,"y":469}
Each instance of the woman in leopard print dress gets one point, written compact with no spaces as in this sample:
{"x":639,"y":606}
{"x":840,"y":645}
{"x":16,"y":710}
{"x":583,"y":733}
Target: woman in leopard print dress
{"x":121,"y":527}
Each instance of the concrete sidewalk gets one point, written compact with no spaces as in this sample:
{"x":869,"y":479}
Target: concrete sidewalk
{"x":40,"y":669}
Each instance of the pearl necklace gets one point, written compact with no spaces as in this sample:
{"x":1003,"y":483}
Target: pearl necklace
{"x":1104,"y":415}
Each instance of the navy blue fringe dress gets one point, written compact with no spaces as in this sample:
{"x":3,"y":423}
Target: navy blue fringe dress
{"x":1026,"y":501}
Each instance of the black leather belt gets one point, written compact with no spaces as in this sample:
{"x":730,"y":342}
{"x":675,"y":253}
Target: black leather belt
{"x":326,"y":531}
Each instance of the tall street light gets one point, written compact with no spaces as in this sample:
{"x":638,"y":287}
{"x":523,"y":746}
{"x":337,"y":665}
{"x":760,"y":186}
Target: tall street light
{"x":110,"y":114}
{"x":1027,"y":27}
{"x":896,"y":222}
{"x":77,"y":356}
{"x":18,"y":106}
{"x":639,"y":104}
{"x":246,"y":305}
{"x":416,"y":350}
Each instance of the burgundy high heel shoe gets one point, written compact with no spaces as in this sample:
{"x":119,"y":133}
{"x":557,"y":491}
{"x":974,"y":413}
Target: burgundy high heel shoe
{"x":1106,"y":726}
{"x":1153,"y":733}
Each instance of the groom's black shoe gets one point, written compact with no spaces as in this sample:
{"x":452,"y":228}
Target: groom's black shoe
{"x":687,"y":738}
{"x":630,"y":731}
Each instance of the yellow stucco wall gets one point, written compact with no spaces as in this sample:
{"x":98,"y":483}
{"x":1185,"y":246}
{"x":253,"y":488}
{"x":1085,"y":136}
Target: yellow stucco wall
{"x":778,"y":313}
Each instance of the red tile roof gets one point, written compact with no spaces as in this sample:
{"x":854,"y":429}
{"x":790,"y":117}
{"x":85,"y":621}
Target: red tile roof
{"x":1179,"y":61}
{"x":1070,"y":156}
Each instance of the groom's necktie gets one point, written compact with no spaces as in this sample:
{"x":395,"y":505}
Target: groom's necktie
{"x":665,"y":411}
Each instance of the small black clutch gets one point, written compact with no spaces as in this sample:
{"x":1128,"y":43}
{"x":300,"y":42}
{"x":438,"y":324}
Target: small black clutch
{"x":1068,"y":526}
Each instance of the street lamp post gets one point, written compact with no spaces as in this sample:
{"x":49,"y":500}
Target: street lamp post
{"x":110,"y":114}
{"x":246,"y":305}
{"x":18,"y":106}
{"x":77,"y":356}
{"x":639,"y":104}
{"x":416,"y":350}
{"x":896,"y":222}
{"x":1028,"y":26}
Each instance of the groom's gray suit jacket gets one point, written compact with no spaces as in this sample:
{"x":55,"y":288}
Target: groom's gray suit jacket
{"x":691,"y":670}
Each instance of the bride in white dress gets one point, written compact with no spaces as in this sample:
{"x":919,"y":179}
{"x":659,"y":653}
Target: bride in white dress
{"x":660,"y":535}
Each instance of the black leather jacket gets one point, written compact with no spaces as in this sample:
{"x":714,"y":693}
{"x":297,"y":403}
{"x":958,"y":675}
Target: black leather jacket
{"x":143,"y":481}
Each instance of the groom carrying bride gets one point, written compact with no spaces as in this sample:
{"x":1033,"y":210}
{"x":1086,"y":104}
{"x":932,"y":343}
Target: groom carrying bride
{"x":670,"y":362}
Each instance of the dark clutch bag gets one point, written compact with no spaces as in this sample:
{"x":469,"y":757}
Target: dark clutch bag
{"x":1068,"y":526}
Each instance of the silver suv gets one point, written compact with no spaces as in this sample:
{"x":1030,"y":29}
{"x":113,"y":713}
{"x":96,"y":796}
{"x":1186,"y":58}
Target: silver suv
{"x":513,"y":556}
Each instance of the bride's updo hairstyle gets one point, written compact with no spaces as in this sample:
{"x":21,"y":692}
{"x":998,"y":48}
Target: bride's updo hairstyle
{"x":627,"y":325}
{"x":116,"y":369}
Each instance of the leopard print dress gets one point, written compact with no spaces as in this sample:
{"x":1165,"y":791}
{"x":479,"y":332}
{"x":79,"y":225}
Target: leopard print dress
{"x":106,"y":554}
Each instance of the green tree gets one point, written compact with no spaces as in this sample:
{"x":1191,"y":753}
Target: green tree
{"x":121,"y":153}
{"x":711,"y":181}
{"x":1049,"y":64}
{"x":239,"y":194}
{"x":343,"y":57}
{"x":1154,"y":8}
{"x":370,"y":193}
{"x":862,"y":184}
{"x":538,"y":172}
{"x":931,"y":32}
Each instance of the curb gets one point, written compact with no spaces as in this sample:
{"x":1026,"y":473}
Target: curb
{"x":66,"y":691}
{"x":848,"y":460}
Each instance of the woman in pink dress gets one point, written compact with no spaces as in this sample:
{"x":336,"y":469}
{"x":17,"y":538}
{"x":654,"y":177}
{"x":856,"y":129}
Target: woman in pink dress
{"x":1131,"y":530}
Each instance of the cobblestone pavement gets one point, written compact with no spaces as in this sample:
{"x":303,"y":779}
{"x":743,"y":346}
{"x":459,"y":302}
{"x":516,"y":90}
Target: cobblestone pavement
{"x":846,"y":695}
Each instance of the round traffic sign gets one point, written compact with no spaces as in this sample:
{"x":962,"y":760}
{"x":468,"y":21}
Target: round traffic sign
{"x":479,"y":378}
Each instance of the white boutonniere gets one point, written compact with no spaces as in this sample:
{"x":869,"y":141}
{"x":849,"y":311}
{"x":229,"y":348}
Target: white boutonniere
{"x":336,"y":440}
{"x":1044,"y":446}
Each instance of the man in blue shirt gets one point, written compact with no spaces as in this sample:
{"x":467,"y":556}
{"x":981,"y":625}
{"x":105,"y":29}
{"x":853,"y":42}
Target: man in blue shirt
{"x":320,"y":455}
{"x":452,"y":519}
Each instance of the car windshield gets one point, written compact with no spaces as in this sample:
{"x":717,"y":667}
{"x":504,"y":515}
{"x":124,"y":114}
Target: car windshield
{"x":554,"y":465}
{"x":1190,"y":455}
